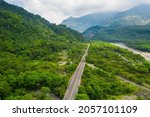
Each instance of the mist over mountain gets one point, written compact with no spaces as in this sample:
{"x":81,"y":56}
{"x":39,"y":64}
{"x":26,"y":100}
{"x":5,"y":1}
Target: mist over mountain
{"x":139,"y":15}
{"x":82,"y":23}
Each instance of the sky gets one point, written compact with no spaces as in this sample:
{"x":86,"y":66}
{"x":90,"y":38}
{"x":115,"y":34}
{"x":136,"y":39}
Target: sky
{"x":56,"y":11}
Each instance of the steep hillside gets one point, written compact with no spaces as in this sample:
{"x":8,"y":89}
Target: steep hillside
{"x":82,"y":23}
{"x":36,"y":57}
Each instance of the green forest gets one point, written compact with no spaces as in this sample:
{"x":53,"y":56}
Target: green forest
{"x":37,"y":58}
{"x":105,"y":64}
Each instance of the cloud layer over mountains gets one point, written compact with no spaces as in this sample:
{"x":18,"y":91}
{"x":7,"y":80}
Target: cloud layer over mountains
{"x":57,"y":10}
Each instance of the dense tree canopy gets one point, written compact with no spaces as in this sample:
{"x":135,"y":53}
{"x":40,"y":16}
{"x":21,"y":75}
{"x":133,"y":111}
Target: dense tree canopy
{"x":111,"y":62}
{"x":31,"y":49}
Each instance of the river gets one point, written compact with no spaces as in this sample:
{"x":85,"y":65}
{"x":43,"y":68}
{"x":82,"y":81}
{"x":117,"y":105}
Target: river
{"x":146,"y":55}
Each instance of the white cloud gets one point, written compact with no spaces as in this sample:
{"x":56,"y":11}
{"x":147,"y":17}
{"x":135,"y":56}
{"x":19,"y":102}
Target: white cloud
{"x":57,"y":10}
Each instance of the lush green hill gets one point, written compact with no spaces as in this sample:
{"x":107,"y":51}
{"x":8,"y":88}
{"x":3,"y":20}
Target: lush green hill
{"x":37,"y":58}
{"x":20,"y":25}
{"x":134,"y":36}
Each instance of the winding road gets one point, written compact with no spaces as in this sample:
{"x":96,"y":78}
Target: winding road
{"x":75,"y":80}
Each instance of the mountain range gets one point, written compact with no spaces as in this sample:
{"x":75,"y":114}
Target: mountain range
{"x":82,"y":23}
{"x":130,"y":25}
{"x":138,"y":15}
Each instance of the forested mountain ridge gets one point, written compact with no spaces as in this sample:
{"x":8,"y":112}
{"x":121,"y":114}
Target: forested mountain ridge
{"x":36,"y":57}
{"x":137,"y":37}
{"x":31,"y":26}
{"x":20,"y":28}
{"x":118,"y":33}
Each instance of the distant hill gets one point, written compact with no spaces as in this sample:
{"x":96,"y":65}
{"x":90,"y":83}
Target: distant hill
{"x":118,"y":33}
{"x":134,"y":36}
{"x":82,"y":23}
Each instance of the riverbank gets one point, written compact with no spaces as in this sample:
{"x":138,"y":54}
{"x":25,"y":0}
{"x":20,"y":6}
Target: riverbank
{"x":146,"y":55}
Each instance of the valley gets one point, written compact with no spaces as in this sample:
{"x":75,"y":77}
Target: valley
{"x":40,"y":60}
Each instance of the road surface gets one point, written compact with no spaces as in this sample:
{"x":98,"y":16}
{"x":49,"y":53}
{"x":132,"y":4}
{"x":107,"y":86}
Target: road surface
{"x":74,"y":82}
{"x":146,"y":55}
